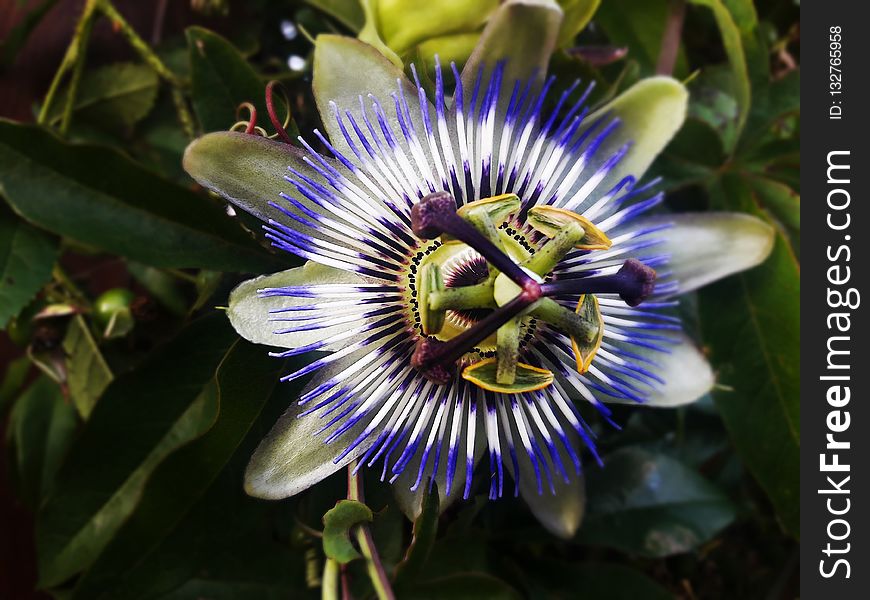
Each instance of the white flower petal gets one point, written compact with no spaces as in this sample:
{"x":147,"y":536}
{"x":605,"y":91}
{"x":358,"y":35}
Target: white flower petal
{"x":704,"y":247}
{"x":684,"y":370}
{"x":346,"y":69}
{"x":650,"y":113}
{"x":293,"y":456}
{"x":560,"y":513}
{"x":521,"y":32}
{"x":252,"y":316}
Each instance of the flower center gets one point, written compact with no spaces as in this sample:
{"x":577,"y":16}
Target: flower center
{"x":479,"y":288}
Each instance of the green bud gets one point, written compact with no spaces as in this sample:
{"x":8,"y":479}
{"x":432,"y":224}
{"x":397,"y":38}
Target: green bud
{"x":112,"y":312}
{"x":406,"y":24}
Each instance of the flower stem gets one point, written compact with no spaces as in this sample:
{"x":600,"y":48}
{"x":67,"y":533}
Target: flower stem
{"x":329,"y":584}
{"x":72,"y":59}
{"x":144,"y":50}
{"x":374,"y":566}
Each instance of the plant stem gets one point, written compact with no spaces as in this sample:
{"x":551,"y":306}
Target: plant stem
{"x":159,"y":17}
{"x":670,"y":47}
{"x":144,"y":50}
{"x":72,"y":59}
{"x":67,"y":284}
{"x":82,"y":37}
{"x":329,"y":584}
{"x":374,"y":566}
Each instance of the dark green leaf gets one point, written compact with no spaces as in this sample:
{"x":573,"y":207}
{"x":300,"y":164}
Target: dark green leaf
{"x":640,"y":26}
{"x":243,"y":383}
{"x":347,"y":12}
{"x":14,"y":377}
{"x":462,"y":586}
{"x":714,"y":103}
{"x":221,"y":79}
{"x":732,"y":40}
{"x":161,"y":285}
{"x":101,"y":198}
{"x":116,"y":96}
{"x":41,"y":426}
{"x":652,"y":505}
{"x":26,"y":258}
{"x":771,"y":102}
{"x":595,"y":581}
{"x":425,"y":529}
{"x":87,"y":373}
{"x":142,"y":417}
{"x":19,"y":34}
{"x":783,"y":204}
{"x":752,"y":323}
{"x":337,"y":523}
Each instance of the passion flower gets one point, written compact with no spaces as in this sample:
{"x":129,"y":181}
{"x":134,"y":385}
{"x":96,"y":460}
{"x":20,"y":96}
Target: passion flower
{"x":479,"y":267}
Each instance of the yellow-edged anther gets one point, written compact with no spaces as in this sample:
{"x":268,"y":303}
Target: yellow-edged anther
{"x":585,"y":350}
{"x":498,"y":208}
{"x":484,"y":373}
{"x":549,"y":220}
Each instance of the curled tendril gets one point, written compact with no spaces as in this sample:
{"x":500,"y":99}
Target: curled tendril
{"x":280,"y":128}
{"x":249,"y":125}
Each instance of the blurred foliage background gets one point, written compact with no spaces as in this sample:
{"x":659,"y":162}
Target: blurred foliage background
{"x":129,"y":406}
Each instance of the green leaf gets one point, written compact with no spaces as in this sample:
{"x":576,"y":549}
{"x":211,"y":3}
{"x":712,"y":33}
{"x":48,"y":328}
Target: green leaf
{"x":14,"y":377}
{"x":142,"y":417}
{"x":161,"y":285}
{"x":713,"y":103}
{"x":101,"y":198}
{"x":117,"y":96}
{"x":560,"y":579}
{"x":88,"y":375}
{"x":221,"y":79}
{"x":752,"y":324}
{"x":347,"y":12}
{"x":772,"y":101}
{"x":425,"y":529}
{"x":733,"y":42}
{"x":41,"y":426}
{"x":462,"y":586}
{"x":20,"y":33}
{"x":651,"y":505}
{"x":337,"y":523}
{"x":243,"y":383}
{"x":27,"y":256}
{"x":638,"y":25}
{"x":783,"y":204}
